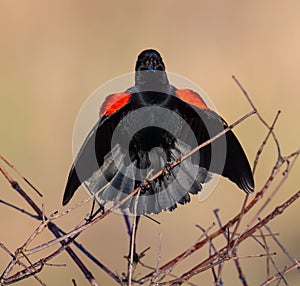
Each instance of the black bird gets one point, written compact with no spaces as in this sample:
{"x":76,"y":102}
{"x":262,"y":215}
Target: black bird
{"x":142,"y":131}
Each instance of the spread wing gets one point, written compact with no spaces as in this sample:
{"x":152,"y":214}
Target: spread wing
{"x":225,"y":156}
{"x":89,"y":158}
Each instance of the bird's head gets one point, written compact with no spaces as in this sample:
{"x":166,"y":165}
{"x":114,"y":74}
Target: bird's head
{"x":149,"y":60}
{"x":150,"y":71}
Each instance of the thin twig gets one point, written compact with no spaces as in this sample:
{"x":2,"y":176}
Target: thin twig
{"x":276,"y":189}
{"x":19,"y":173}
{"x":267,"y":249}
{"x":19,"y":209}
{"x":278,"y":276}
{"x":238,"y":266}
{"x":132,"y":241}
{"x":264,"y":245}
{"x":263,"y":144}
{"x":259,"y":116}
{"x":217,"y":278}
{"x":283,"y":249}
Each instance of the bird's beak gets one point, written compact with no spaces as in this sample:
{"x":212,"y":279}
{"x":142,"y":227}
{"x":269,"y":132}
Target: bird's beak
{"x":152,"y":65}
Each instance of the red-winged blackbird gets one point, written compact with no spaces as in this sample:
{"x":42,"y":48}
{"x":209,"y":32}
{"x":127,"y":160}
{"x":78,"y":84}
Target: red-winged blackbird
{"x":141,"y":131}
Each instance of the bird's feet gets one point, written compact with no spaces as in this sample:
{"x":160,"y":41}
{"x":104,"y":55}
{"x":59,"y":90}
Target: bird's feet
{"x":167,"y":170}
{"x":145,"y":185}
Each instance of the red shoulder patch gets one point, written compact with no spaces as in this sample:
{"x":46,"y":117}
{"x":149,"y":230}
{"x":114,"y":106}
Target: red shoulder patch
{"x":191,"y":97}
{"x":113,"y":103}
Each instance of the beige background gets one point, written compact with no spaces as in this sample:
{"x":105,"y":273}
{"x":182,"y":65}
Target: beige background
{"x":53,"y":54}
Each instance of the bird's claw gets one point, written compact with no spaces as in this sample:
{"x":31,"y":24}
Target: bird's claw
{"x":145,"y":185}
{"x":167,"y":170}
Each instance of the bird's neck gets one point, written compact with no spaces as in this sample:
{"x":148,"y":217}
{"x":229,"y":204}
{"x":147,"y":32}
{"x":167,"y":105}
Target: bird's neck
{"x":151,"y":81}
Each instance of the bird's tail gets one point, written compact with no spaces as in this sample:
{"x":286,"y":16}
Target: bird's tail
{"x":115,"y":180}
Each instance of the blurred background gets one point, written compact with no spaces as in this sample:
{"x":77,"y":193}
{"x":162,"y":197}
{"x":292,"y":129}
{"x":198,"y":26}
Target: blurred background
{"x":54,"y":54}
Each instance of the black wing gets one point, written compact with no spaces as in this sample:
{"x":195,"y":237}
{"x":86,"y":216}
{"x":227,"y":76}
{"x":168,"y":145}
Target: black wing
{"x":92,"y":153}
{"x":225,"y":156}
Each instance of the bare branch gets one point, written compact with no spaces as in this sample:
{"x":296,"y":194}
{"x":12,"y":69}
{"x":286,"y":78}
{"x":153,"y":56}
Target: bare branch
{"x":200,"y":267}
{"x":278,"y":276}
{"x":165,"y":274}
